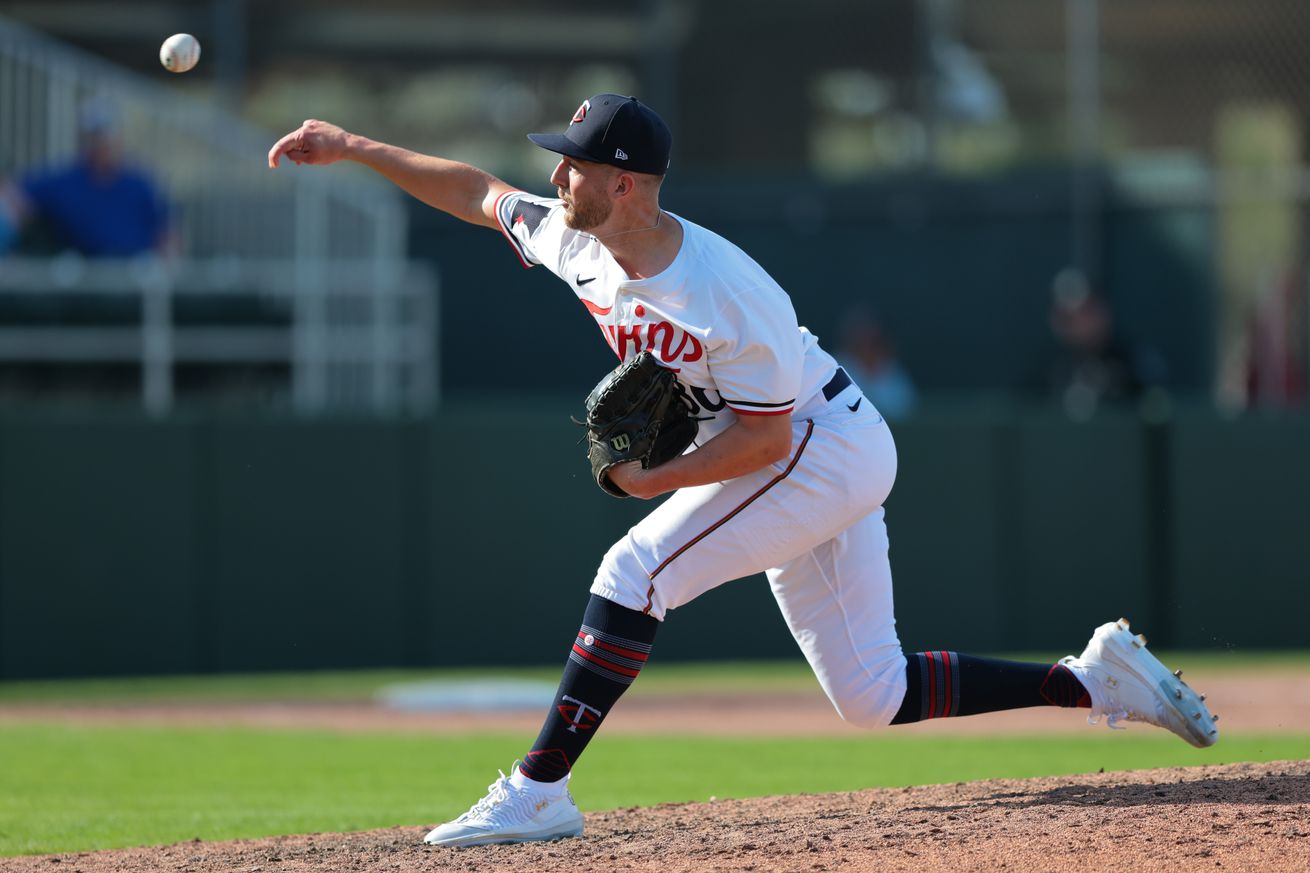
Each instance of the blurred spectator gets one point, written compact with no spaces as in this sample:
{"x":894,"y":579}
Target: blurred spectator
{"x":1094,"y":367}
{"x":869,"y":357}
{"x":1275,"y":361}
{"x":11,"y":214}
{"x":99,"y":205}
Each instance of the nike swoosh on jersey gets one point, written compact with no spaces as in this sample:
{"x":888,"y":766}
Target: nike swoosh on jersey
{"x":856,"y":405}
{"x":582,"y":282}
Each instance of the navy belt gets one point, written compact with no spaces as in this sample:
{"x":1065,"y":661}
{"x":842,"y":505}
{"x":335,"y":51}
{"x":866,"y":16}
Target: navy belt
{"x":837,"y":384}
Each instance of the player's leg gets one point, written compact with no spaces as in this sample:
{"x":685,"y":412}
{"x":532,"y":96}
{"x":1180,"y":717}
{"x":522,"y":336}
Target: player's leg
{"x":837,"y":600}
{"x":1115,"y":677}
{"x":615,"y":638}
{"x":697,"y":539}
{"x":942,"y":684}
{"x":610,"y":649}
{"x":705,"y":536}
{"x":533,"y":802}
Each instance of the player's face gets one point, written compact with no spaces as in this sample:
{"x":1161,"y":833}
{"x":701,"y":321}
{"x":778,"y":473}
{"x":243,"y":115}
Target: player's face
{"x":583,"y":188}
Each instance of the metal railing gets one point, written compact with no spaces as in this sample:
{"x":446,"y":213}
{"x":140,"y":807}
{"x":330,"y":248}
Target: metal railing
{"x":362,"y":318}
{"x":353,"y":338}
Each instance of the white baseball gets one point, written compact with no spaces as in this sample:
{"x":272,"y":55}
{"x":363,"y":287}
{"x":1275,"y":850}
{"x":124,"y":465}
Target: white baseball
{"x":179,"y":53}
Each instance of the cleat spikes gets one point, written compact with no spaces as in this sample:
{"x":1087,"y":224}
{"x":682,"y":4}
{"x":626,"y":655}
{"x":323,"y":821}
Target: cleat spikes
{"x":1214,"y":718}
{"x":1127,"y":683}
{"x":1203,"y":698}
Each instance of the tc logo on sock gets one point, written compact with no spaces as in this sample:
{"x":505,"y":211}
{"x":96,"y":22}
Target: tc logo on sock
{"x":579,"y":714}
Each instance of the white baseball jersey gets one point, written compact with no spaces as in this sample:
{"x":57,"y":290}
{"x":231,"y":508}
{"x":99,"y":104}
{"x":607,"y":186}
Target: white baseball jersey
{"x":714,"y":316}
{"x":812,"y":522}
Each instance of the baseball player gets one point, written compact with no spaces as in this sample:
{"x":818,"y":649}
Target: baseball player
{"x":788,"y":474}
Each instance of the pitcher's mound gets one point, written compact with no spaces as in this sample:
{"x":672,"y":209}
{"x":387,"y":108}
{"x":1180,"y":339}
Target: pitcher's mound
{"x":1235,"y":817}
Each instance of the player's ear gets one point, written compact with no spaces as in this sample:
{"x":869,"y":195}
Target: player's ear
{"x":624,"y":184}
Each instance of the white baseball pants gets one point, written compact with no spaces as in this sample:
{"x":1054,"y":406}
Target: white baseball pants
{"x":813,"y":523}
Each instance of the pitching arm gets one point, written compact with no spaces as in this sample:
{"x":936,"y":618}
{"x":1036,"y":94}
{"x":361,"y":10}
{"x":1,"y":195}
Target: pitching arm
{"x":459,"y":189}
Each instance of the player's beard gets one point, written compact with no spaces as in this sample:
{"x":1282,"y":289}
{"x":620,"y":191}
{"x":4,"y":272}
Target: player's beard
{"x":586,"y":216}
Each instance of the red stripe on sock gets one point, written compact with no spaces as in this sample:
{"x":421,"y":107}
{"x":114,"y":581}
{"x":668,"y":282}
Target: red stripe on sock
{"x":545,"y":765}
{"x":1050,"y":701}
{"x":618,"y":650}
{"x":946,"y":698}
{"x":932,"y":685}
{"x":608,"y":665}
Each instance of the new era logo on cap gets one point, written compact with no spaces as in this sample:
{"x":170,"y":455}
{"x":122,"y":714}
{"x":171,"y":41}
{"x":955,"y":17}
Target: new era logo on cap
{"x":613,"y":129}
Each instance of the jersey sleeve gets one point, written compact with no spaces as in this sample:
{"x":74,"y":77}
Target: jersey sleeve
{"x":525,"y":220}
{"x":759,"y":362}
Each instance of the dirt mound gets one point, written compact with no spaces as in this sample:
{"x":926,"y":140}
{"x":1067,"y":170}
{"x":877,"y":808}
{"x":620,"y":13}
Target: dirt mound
{"x":1235,"y":817}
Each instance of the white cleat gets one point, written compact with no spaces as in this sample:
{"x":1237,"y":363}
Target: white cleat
{"x":1127,"y":683}
{"x":510,"y":814}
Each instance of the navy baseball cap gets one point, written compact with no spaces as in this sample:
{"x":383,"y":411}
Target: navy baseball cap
{"x":616,"y":130}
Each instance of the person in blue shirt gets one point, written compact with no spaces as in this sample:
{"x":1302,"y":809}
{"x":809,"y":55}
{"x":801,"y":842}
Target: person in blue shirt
{"x":99,"y":205}
{"x":869,"y":355}
{"x":11,"y":212}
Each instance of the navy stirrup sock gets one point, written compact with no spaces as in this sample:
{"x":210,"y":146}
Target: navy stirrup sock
{"x":945,"y":684}
{"x":609,"y":651}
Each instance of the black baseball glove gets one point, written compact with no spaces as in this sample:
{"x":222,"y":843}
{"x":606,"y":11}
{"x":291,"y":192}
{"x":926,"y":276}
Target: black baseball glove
{"x":636,"y":413}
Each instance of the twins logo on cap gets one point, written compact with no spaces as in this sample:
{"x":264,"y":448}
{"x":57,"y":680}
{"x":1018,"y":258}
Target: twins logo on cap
{"x":614,"y":129}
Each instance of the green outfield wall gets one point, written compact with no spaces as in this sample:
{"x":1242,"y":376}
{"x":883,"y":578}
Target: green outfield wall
{"x":193,"y":545}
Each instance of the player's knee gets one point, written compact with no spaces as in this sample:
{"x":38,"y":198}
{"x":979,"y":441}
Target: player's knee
{"x":872,"y":699}
{"x":623,"y":580}
{"x":864,"y":716}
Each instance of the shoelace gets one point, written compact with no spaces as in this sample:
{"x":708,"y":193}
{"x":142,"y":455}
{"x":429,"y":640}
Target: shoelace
{"x":497,"y":793}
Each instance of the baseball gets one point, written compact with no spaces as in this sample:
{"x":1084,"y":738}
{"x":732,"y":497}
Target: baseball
{"x":179,"y":52}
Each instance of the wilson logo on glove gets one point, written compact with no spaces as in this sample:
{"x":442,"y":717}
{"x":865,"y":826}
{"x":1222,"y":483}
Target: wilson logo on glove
{"x":636,"y":413}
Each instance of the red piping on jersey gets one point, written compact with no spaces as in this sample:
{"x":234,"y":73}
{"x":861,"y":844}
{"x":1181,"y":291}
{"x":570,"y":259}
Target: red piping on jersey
{"x":809,"y":429}
{"x":512,"y":244}
{"x":761,"y":411}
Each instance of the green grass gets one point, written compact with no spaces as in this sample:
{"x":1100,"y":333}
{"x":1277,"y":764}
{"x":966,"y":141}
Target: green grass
{"x":72,"y":788}
{"x":66,"y":788}
{"x":657,"y":679}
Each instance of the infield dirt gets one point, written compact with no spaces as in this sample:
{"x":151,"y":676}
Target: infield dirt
{"x":1248,"y":817}
{"x":1235,"y":817}
{"x":1248,"y":702}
